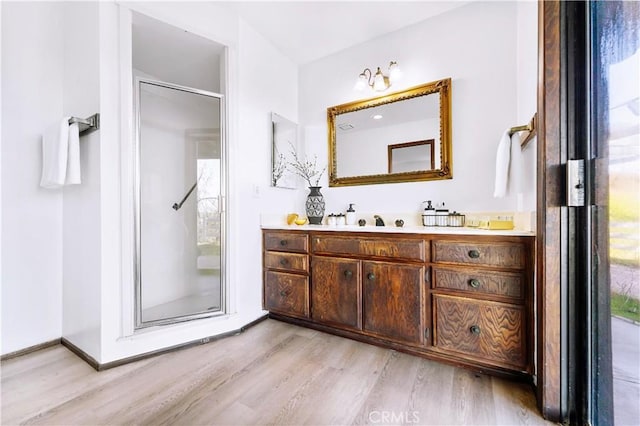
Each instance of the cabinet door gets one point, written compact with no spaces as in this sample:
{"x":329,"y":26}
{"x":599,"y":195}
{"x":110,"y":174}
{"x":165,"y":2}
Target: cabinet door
{"x":393,"y":295}
{"x":287,"y":294}
{"x":335,"y":291}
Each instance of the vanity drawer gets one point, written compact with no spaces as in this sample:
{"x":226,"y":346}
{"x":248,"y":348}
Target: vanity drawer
{"x":287,"y":294}
{"x":491,"y":331}
{"x":286,"y":241}
{"x":471,"y":280}
{"x":410,"y":249}
{"x":500,"y":254}
{"x":288,"y":261}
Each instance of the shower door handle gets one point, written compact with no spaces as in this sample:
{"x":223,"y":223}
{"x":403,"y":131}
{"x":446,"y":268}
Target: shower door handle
{"x":178,"y":206}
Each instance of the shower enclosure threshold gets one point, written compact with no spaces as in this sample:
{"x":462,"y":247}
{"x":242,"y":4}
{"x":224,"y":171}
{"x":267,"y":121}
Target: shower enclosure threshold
{"x":183,"y":308}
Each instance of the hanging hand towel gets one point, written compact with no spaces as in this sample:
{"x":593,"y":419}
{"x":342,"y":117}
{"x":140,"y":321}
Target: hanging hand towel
{"x":502,"y":165}
{"x":73,"y":159}
{"x":516,"y":167}
{"x":60,"y":155}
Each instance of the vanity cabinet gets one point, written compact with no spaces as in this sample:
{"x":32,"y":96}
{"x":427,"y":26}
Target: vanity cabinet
{"x":463,"y":299}
{"x":286,"y":273}
{"x":481,"y":300}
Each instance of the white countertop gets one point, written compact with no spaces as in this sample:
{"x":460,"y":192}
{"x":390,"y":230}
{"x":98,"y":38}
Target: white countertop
{"x":443,"y":230}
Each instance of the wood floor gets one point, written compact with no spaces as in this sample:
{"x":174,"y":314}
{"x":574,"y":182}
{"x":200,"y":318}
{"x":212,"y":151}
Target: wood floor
{"x":273,"y":373}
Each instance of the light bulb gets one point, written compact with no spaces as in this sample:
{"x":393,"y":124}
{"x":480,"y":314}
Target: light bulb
{"x":394,"y":72}
{"x":361,"y":83}
{"x":378,"y":81}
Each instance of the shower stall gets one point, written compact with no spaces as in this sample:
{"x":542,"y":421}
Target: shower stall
{"x":179,"y":210}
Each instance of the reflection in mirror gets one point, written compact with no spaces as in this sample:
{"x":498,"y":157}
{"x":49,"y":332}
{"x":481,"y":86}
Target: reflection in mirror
{"x":413,"y":124}
{"x":283,"y":145}
{"x":411,"y":156}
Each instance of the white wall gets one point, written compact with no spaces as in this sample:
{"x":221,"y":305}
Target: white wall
{"x":527,"y":82}
{"x":32,"y":85}
{"x":475,"y":45}
{"x":82,"y":218}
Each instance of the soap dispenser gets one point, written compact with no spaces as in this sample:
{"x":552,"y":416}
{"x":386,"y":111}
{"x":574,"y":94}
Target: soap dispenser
{"x":429,"y":215}
{"x":351,"y":215}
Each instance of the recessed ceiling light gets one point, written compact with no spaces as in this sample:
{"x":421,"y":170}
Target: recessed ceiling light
{"x":376,"y":117}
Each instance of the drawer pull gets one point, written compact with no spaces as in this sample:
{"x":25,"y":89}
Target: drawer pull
{"x":371,"y":276}
{"x":283,"y":262}
{"x":474,"y":254}
{"x":474,"y":329}
{"x":474,"y":283}
{"x":348,"y":273}
{"x":283,"y":243}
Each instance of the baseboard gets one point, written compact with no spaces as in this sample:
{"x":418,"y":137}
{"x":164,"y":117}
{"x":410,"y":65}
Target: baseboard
{"x":107,"y":365}
{"x":30,"y":349}
{"x":80,"y":353}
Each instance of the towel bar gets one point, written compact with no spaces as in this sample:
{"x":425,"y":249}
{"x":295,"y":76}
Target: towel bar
{"x":86,"y":125}
{"x":529,"y":127}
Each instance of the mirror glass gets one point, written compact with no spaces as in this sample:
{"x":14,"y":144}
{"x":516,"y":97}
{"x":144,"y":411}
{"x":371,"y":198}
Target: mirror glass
{"x":284,"y":135}
{"x":400,"y":137}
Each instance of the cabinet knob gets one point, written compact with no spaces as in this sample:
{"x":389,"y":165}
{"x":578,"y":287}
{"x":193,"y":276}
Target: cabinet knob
{"x":348,"y":273}
{"x":474,"y":254}
{"x":283,"y":242}
{"x":474,"y":329}
{"x":283,"y":261}
{"x":474,"y":283}
{"x":283,"y":293}
{"x":371,"y":276}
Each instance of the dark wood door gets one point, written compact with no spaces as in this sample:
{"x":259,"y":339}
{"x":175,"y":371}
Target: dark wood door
{"x":393,"y":297}
{"x":336,"y":291}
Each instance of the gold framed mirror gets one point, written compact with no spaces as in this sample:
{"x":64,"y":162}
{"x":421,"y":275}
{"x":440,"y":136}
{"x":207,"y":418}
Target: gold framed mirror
{"x":363,"y":134}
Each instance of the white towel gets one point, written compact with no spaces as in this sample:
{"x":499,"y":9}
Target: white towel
{"x":73,"y":160}
{"x":508,"y":166}
{"x":516,"y":168}
{"x":61,"y":155}
{"x":502,"y":165}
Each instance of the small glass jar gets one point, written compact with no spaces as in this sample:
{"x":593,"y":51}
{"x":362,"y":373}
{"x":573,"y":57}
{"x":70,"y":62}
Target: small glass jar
{"x":441,"y":217}
{"x":455,"y":219}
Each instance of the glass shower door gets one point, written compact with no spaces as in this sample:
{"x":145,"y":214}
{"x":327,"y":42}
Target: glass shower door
{"x":179,"y":219}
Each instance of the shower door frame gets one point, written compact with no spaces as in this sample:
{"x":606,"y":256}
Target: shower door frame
{"x":138,"y":323}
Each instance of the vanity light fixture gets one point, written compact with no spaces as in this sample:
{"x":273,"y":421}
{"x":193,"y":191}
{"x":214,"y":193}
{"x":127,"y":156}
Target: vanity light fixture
{"x":378,"y":81}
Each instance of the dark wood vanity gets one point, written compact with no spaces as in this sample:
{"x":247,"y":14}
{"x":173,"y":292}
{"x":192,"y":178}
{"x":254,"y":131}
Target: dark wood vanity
{"x":460,"y":298}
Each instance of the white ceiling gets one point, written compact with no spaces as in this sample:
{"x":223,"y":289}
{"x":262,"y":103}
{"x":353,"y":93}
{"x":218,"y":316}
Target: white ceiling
{"x":309,"y":30}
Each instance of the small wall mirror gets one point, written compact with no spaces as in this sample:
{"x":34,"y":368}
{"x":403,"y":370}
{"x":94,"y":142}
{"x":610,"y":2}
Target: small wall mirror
{"x":411,"y":156}
{"x":284,"y":137}
{"x":400,"y":137}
